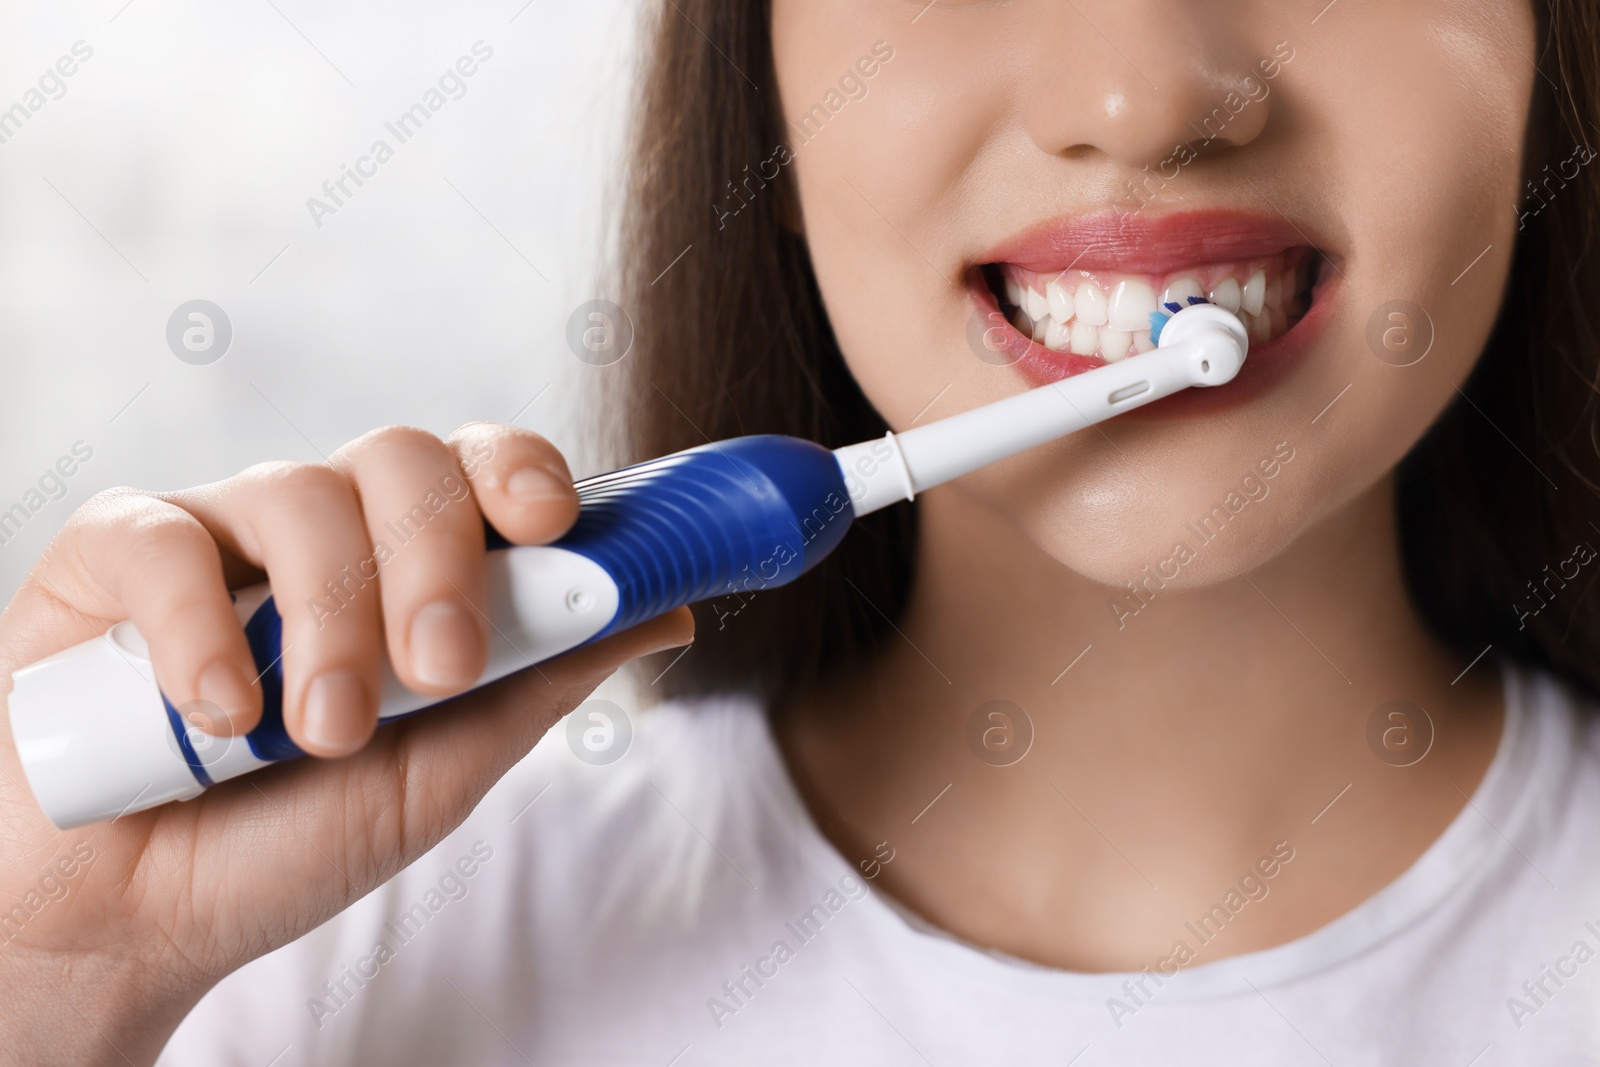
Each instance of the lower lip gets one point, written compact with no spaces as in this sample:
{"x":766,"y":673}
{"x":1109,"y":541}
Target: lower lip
{"x":1267,"y":365}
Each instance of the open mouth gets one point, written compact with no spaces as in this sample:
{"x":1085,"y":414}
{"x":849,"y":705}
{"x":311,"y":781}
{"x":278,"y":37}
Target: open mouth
{"x":1094,"y":317}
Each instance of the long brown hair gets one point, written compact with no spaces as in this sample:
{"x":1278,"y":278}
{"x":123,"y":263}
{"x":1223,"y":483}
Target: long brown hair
{"x":733,"y":339}
{"x":1499,"y":523}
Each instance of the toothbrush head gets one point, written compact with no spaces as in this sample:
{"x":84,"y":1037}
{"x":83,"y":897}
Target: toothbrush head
{"x":1213,"y":341}
{"x":1159,"y":319}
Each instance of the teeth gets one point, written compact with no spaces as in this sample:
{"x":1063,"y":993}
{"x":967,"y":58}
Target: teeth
{"x":1255,"y":291}
{"x":1180,"y":290}
{"x":1060,"y":298}
{"x":1090,"y":300}
{"x":1058,"y":334}
{"x":1132,"y":301}
{"x":1114,"y":344}
{"x":1091,"y":315}
{"x":1226,"y":294}
{"x":1035,"y":305}
{"x":1013,"y":292}
{"x":1084,"y":337}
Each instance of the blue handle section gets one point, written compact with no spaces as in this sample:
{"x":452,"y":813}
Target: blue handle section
{"x":737,"y":516}
{"x":264,"y":632}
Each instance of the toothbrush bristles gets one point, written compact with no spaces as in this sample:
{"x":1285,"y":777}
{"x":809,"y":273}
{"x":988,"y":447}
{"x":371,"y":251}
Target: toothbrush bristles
{"x":1158,"y":319}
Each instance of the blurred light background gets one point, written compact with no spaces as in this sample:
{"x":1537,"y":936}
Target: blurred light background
{"x":175,"y":164}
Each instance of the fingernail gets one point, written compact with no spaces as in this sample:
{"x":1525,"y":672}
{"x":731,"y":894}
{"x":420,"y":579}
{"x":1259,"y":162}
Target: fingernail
{"x":536,"y":483}
{"x":338,"y":717}
{"x":224,"y":693}
{"x":445,"y":646}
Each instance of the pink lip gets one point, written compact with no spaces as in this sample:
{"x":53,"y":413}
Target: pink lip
{"x":1155,"y":245}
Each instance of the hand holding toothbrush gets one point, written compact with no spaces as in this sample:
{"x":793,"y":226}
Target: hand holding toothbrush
{"x":127,"y":923}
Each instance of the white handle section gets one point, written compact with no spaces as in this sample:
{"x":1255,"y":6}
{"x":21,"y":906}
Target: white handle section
{"x":1202,"y":345}
{"x":96,"y":742}
{"x":542,"y":601}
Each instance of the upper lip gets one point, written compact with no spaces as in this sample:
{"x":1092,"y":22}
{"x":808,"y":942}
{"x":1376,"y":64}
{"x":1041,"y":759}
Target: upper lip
{"x":1150,"y":244}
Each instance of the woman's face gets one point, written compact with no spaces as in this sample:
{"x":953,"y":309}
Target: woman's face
{"x":997,"y":194}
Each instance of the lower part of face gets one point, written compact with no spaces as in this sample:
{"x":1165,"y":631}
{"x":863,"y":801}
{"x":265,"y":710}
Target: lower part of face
{"x":997,"y":194}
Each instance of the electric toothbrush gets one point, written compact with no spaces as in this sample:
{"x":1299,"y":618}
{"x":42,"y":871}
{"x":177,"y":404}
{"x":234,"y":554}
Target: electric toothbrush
{"x":97,"y":739}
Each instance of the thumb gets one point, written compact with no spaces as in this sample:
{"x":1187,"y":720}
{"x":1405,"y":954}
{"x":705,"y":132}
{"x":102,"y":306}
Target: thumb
{"x":448,"y":759}
{"x":592,"y":664}
{"x":489,"y":729}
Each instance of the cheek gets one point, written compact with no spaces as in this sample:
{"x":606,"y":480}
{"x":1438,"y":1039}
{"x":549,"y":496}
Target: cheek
{"x":883,"y":191}
{"x":1420,"y":143}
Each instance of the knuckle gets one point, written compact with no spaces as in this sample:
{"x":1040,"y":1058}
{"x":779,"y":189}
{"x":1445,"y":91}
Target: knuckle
{"x":388,"y":440}
{"x":147,"y":539}
{"x":475,"y":429}
{"x":110,"y":505}
{"x":489,"y":435}
{"x":131,"y":513}
{"x":297,"y":486}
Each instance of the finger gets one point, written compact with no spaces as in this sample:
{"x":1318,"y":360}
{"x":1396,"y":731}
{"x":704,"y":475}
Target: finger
{"x":521,"y":481}
{"x":486,"y":739}
{"x":427,"y":538}
{"x":163,"y":569}
{"x":302,"y":523}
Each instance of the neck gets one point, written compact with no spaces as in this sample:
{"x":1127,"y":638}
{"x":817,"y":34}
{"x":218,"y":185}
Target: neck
{"x":1177,"y":739}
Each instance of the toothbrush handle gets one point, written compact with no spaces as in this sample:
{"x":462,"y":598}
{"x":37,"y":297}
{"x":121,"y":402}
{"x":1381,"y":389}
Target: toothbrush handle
{"x":734,"y":517}
{"x":738,"y":516}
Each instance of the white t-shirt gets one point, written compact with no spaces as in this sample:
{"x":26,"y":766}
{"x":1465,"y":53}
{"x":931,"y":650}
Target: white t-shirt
{"x":679,"y":908}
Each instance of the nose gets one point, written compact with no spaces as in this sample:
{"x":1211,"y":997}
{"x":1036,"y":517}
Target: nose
{"x":1137,"y":80}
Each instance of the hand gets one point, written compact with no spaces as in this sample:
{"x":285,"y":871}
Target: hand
{"x":110,"y":933}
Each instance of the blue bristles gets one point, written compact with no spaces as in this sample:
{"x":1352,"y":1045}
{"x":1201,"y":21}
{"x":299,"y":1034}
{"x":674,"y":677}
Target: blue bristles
{"x":1158,"y":319}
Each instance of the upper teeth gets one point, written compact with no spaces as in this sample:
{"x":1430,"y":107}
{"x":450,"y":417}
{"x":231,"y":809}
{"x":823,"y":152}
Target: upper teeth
{"x":1110,"y":315}
{"x":1132,"y":301}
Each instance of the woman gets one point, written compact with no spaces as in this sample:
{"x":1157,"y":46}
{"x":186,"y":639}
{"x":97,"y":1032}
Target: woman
{"x":1230,"y":733}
